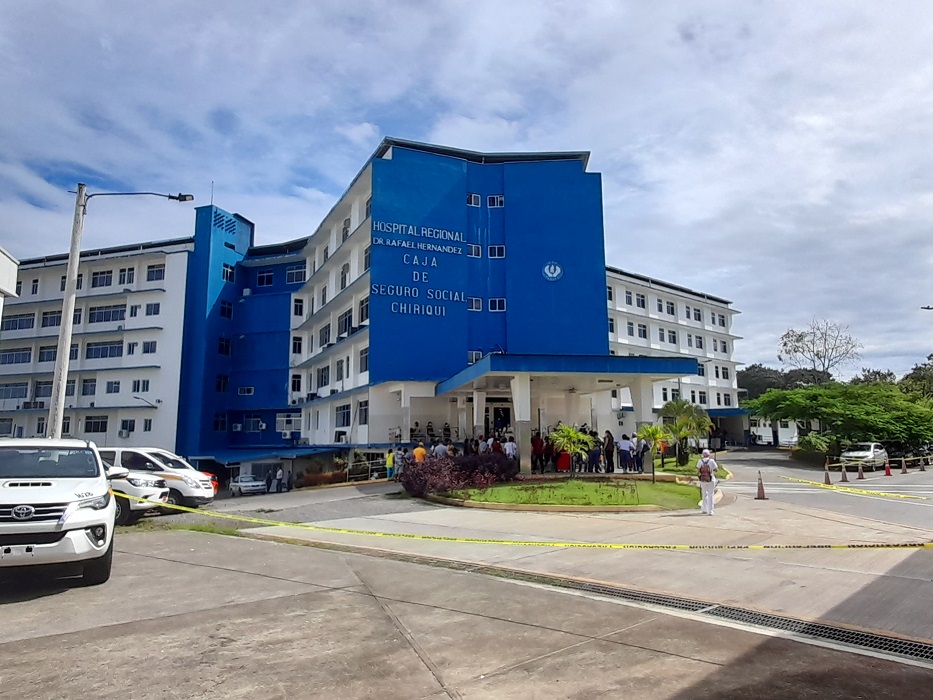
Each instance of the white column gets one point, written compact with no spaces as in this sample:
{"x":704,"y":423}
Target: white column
{"x":642,"y":391}
{"x":479,"y":412}
{"x":462,"y":417}
{"x":521,"y":404}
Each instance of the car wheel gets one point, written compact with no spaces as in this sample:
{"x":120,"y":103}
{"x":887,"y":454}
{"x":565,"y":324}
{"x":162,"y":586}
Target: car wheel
{"x":125,"y":516}
{"x":174,"y":499}
{"x":232,"y":492}
{"x":97,"y":571}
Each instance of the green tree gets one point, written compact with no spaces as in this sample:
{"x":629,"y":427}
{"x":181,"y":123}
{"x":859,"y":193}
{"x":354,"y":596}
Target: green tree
{"x":852,"y":411}
{"x":756,"y":379}
{"x":874,"y":376}
{"x":568,"y":439}
{"x":919,"y":380}
{"x":687,"y":421}
{"x":654,"y":435}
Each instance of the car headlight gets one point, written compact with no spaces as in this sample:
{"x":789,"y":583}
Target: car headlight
{"x":141,"y":482}
{"x":191,"y":482}
{"x":98,"y":503}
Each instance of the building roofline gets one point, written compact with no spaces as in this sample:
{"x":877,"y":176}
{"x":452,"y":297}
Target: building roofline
{"x":273,"y":249}
{"x":479,"y":157}
{"x":673,"y":287}
{"x":115,"y":250}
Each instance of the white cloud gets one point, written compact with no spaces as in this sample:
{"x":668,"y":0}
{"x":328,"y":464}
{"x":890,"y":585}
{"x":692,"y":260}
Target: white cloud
{"x":776,"y":155}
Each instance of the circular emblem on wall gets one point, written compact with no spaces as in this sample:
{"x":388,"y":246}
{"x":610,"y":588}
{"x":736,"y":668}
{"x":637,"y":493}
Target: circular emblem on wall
{"x":552,"y":271}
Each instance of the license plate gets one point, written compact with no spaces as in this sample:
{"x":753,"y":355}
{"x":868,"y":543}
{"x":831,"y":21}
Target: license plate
{"x":13,"y":552}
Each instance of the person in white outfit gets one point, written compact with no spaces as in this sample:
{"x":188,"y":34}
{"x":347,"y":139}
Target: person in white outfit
{"x":706,"y":475}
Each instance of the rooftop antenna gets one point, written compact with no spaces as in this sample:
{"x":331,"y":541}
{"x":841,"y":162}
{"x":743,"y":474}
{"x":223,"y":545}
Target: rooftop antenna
{"x":212,"y":193}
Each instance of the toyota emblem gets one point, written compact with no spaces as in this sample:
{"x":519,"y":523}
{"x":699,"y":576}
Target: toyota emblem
{"x":23,"y":512}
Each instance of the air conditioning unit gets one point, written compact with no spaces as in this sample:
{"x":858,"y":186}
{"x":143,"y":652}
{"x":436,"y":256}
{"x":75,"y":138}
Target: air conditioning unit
{"x":39,"y":404}
{"x":340,"y":436}
{"x":286,"y":435}
{"x":247,"y":291}
{"x":294,"y":402}
{"x":237,"y":427}
{"x":341,"y":336}
{"x":365,"y":323}
{"x":262,"y":426}
{"x":311,"y":396}
{"x":26,"y":405}
{"x":123,"y":434}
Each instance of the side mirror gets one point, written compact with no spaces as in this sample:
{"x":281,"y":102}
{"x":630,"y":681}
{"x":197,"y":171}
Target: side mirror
{"x":117,"y":472}
{"x":150,"y":466}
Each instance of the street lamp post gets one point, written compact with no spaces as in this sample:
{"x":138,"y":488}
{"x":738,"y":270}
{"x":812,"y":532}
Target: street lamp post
{"x":63,"y":356}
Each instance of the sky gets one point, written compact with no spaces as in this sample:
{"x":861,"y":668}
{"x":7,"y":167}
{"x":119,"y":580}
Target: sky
{"x":774,"y":154}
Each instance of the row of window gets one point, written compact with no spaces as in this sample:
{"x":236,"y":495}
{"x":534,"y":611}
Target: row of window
{"x":343,"y":283}
{"x":494,"y":304}
{"x":344,"y":326}
{"x":493,"y":251}
{"x":667,"y":306}
{"x":291,"y":422}
{"x":96,"y":314}
{"x":92,"y":424}
{"x":43,"y":389}
{"x":669,"y":336}
{"x":493,"y":201}
{"x":294,"y":274}
{"x":92,"y":351}
{"x":697,"y":396}
{"x":104,"y":278}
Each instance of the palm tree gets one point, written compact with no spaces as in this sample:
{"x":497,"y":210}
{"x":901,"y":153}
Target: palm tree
{"x":654,"y":435}
{"x":689,"y":421}
{"x":567,"y":438}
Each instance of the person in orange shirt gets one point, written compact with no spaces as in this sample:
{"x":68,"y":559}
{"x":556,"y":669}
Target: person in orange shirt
{"x":419,"y":453}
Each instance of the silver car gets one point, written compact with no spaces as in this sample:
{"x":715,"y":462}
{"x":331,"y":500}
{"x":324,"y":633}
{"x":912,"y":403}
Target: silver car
{"x":871,"y":454}
{"x":246,"y":484}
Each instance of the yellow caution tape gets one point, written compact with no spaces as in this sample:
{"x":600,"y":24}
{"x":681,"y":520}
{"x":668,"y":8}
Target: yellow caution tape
{"x":864,"y":492}
{"x":530,"y":543}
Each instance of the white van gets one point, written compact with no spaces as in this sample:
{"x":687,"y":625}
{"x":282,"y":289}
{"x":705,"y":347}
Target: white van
{"x":56,"y":506}
{"x":186,"y":485}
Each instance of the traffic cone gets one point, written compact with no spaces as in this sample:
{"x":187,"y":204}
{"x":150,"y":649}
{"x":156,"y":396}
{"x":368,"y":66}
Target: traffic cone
{"x":861,"y":474}
{"x":845,"y":473}
{"x":826,"y":475}
{"x":761,"y":489}
{"x":903,"y":466}
{"x":887,"y":468}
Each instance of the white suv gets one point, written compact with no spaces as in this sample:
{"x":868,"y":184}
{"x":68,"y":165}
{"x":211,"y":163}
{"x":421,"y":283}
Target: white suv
{"x":140,"y":485}
{"x":55,"y":506}
{"x":187,"y":486}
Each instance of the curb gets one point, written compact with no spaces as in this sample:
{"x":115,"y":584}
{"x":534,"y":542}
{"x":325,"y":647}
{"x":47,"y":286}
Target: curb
{"x":532,"y":508}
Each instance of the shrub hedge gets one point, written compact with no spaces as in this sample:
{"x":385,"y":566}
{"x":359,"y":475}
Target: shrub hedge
{"x":444,"y":474}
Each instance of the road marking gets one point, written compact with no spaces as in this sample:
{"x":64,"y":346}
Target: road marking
{"x":848,"y":489}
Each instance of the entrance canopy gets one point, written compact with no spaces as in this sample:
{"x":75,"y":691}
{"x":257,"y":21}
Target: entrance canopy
{"x":579,"y":374}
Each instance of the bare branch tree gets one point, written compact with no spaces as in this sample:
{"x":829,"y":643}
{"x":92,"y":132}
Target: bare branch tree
{"x":822,"y":346}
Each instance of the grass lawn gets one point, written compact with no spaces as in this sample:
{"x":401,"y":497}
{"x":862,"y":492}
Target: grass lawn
{"x":689,"y":469}
{"x":588,"y":492}
{"x":159,"y":524}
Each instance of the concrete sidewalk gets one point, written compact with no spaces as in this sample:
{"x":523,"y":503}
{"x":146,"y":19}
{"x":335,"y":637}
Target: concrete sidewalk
{"x":882,"y":590}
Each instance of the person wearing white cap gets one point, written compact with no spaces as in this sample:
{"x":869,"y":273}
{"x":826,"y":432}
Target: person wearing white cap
{"x":706,"y":475}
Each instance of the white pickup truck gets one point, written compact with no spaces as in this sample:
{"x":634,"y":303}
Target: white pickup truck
{"x":56,"y":506}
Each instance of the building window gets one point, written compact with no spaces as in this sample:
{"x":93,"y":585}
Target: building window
{"x":693,"y":396}
{"x":687,"y":315}
{"x":339,"y":371}
{"x":296,"y":383}
{"x":47,"y":353}
{"x":226,"y":309}
{"x":643,"y":331}
{"x":296,"y":345}
{"x":344,"y":276}
{"x":41,"y":390}
{"x":97,"y":351}
{"x":716,"y":371}
{"x":76,"y":319}
{"x":16,"y":356}
{"x":70,"y":387}
{"x":18,"y":390}
{"x":88,"y":387}
{"x":228,"y":273}
{"x":246,"y":391}
{"x":612,"y":325}
{"x":672,"y":337}
{"x":40,"y":425}
{"x":149,"y":347}
{"x":474,"y":200}
{"x":95,"y":424}
{"x":474,"y":356}
{"x":724,"y":346}
{"x":323,"y":376}
{"x":128,"y":424}
{"x":140,"y":386}
{"x":364,"y":360}
{"x":66,"y":425}
{"x":134,"y":311}
{"x":630,"y":329}
{"x":614,"y":393}
{"x":265,"y":278}
{"x":298,"y":307}
{"x":474,"y":251}
{"x":101,"y":279}
{"x":671,"y":309}
{"x":661,"y":334}
{"x":474,"y":304}
{"x":628,"y":298}
{"x":20,"y":322}
{"x":51,"y":319}
{"x":699,"y":342}
{"x":363,"y":412}
{"x":712,"y":318}
{"x":220,"y":422}
{"x":19,"y":292}
{"x":640,"y":301}
{"x":367,"y":258}
{"x":127,"y":275}
{"x":664,"y":394}
{"x":61,"y":287}
{"x":364,"y":309}
{"x":342,"y":416}
{"x":131,"y":348}
{"x":325,"y":255}
{"x":105,"y":314}
{"x":727,"y":399}
{"x":497,"y":304}
{"x":497,"y":251}
{"x":324,"y":335}
{"x":345,"y":322}
{"x":154,"y":273}
{"x":153,"y":309}
{"x":147,"y":425}
{"x":608,"y":292}
{"x":369,"y":208}
{"x":660,"y":305}
{"x":722,"y":320}
{"x":697,"y":315}
{"x":113,"y":387}
{"x":675,"y":394}
{"x":252,"y":423}
{"x":689,"y":340}
{"x":35,"y":287}
{"x":725,"y":372}
{"x":718,"y":398}
{"x":224,"y":347}
{"x":702,"y":395}
{"x":701,"y":370}
{"x":323,"y":295}
{"x":494,"y":201}
{"x":784,"y":424}
{"x":295,"y":274}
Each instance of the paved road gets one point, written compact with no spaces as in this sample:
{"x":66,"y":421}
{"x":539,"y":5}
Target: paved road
{"x":774,"y":465}
{"x":190,"y":615}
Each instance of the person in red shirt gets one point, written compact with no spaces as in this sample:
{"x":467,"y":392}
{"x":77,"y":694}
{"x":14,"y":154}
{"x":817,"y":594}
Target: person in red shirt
{"x":537,"y":453}
{"x":496,"y":445}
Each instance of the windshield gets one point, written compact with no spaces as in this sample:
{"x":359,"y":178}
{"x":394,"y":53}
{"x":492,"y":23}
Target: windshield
{"x":171,"y":460}
{"x":26,"y":463}
{"x":860,"y":447}
{"x":247,"y":477}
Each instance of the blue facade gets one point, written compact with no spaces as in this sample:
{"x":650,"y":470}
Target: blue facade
{"x":521,"y":241}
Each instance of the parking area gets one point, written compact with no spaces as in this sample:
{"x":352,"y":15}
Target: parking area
{"x":193,"y":615}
